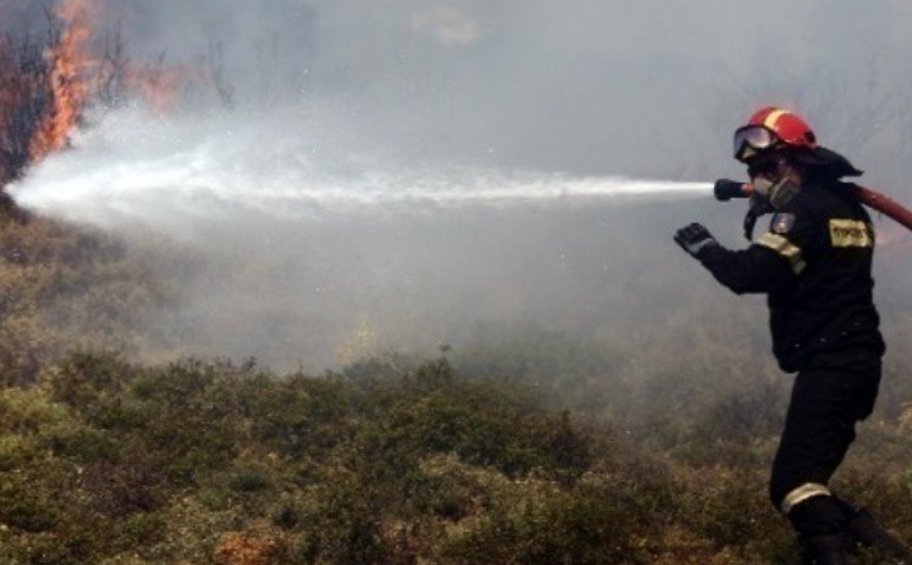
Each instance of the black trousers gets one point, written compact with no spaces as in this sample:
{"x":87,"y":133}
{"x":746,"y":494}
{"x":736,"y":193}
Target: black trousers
{"x":833,"y":392}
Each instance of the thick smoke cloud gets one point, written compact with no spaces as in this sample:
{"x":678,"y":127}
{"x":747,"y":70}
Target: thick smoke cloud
{"x":646,"y":88}
{"x":621,"y":87}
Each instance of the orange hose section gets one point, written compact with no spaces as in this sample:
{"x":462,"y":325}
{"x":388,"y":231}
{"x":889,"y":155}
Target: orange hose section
{"x":886,"y":205}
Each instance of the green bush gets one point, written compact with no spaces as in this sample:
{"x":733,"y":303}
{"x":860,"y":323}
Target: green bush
{"x":194,"y":459}
{"x":592,"y":524}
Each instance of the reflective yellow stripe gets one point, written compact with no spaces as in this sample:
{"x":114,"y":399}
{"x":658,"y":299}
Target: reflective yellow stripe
{"x":785,"y":248}
{"x":770,"y":121}
{"x":802,"y":493}
{"x":850,"y":233}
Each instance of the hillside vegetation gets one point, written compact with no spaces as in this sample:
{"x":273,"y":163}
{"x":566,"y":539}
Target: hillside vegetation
{"x":534,"y":448}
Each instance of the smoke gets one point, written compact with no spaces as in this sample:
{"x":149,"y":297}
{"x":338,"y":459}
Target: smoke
{"x":317,"y":256}
{"x":394,"y":174}
{"x":645,"y":89}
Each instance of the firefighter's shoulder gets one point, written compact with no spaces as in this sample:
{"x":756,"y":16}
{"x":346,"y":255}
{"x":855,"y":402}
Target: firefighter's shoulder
{"x":797,"y":215}
{"x":782,"y":222}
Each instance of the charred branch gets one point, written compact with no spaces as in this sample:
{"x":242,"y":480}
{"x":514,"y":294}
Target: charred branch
{"x":217,"y":74}
{"x":26,"y":98}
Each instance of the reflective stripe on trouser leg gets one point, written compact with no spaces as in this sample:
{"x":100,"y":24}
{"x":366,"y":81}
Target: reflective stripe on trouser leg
{"x":802,"y":493}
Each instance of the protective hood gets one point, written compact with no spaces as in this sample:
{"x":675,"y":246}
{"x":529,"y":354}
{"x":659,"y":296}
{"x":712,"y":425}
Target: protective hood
{"x":823,"y":163}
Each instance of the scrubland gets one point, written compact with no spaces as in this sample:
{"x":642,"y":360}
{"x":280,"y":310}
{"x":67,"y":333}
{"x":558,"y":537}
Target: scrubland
{"x":530,"y":447}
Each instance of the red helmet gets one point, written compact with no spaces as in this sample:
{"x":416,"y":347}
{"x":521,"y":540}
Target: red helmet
{"x":772,"y":128}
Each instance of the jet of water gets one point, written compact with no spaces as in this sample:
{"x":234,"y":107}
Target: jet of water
{"x":133,"y":168}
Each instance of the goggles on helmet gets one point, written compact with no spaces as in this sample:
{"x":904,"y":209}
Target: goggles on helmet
{"x":751,"y":140}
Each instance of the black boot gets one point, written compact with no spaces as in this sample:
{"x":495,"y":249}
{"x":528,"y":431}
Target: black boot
{"x":827,"y":549}
{"x":819,"y":522}
{"x":867,"y":532}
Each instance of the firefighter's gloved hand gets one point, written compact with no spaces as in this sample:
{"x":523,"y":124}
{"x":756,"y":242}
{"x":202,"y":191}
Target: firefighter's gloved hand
{"x":695,"y":239}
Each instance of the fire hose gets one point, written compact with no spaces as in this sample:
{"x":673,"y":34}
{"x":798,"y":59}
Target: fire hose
{"x":727,"y":189}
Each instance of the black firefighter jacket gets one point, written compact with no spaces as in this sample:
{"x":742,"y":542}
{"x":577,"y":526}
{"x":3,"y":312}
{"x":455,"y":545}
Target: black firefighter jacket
{"x":815,"y":265}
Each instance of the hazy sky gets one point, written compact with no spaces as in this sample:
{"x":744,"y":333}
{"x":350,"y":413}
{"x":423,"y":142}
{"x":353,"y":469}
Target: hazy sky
{"x":590,"y":86}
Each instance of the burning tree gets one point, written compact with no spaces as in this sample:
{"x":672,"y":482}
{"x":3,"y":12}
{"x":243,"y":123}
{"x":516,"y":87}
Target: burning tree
{"x":68,"y":63}
{"x":46,"y":84}
{"x":43,"y":88}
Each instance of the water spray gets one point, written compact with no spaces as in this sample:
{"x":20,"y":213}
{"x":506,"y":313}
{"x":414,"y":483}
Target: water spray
{"x":131,"y":167}
{"x":726,"y":189}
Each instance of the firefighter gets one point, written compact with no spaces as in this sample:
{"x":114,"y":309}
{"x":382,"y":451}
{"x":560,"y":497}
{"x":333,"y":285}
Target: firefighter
{"x":814,"y":264}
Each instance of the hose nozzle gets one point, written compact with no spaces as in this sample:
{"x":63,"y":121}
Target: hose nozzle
{"x":726,"y":189}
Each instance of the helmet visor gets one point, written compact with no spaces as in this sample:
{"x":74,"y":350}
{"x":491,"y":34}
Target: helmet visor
{"x":751,"y":140}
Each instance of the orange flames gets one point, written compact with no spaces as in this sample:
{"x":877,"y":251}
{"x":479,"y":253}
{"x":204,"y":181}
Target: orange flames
{"x":160,"y":86}
{"x":46,"y":87}
{"x":45,"y":90}
{"x":77,"y":75}
{"x":70,"y":63}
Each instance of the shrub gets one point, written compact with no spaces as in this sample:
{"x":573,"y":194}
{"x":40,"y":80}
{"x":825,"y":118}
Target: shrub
{"x":592,"y":524}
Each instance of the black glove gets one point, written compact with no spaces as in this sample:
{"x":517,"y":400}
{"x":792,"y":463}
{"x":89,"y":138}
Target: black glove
{"x":694,"y":239}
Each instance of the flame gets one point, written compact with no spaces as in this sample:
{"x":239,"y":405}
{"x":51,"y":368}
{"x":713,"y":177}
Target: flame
{"x":160,"y":86}
{"x":75,"y":77}
{"x":888,"y":237}
{"x":69,"y":62}
{"x":41,"y":104}
{"x":362,"y":344}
